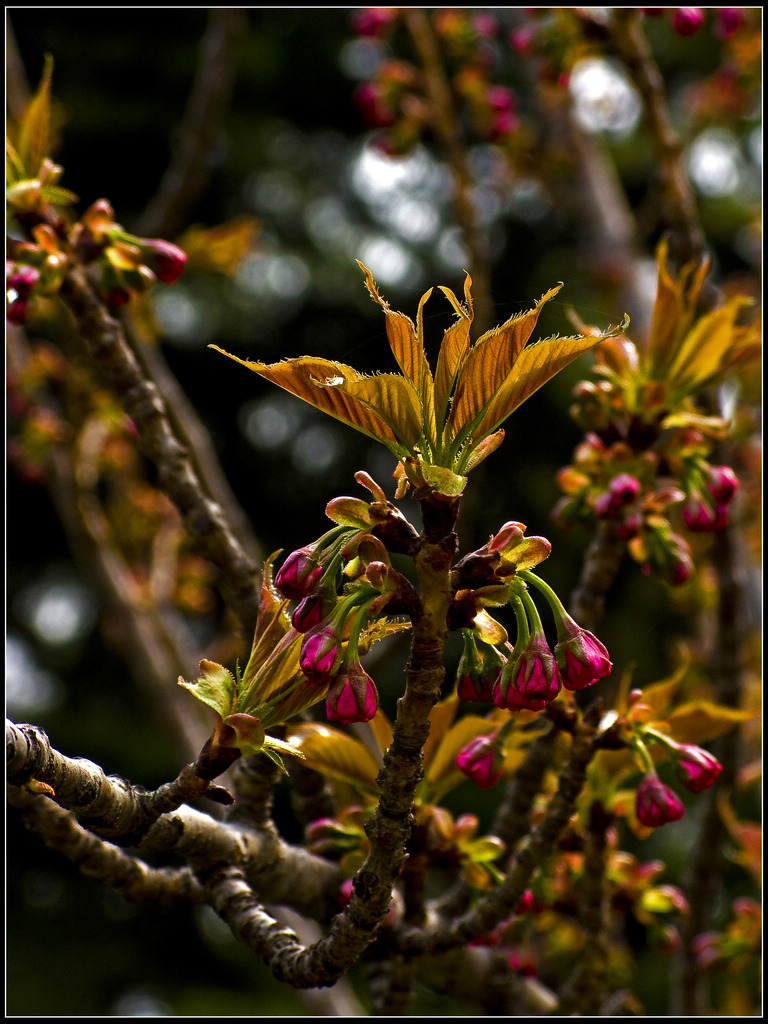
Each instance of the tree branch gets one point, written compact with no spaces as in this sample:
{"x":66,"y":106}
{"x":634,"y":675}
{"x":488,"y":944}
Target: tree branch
{"x":190,"y":167}
{"x":202,"y":517}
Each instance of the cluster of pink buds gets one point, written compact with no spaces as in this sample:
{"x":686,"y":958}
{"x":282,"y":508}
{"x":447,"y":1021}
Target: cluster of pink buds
{"x":126,"y":265}
{"x":122,"y":264}
{"x":393,"y":99}
{"x":642,"y":494}
{"x":657,"y":804}
{"x":332,"y":624}
{"x":531,"y":675}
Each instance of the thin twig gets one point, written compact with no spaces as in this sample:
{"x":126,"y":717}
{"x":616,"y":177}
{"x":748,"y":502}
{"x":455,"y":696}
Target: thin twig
{"x":678,"y":203}
{"x":190,"y":167}
{"x":445,"y":125}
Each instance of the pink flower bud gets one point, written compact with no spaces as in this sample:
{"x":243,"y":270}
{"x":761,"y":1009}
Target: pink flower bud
{"x":729,"y":20}
{"x":624,"y":488}
{"x":722,"y":484}
{"x":312,"y":610}
{"x":352,"y":696}
{"x":686,"y":21}
{"x":655,"y":803}
{"x":698,"y":767}
{"x":482,"y":760}
{"x":700,"y":517}
{"x":320,"y":654}
{"x":529,"y":680}
{"x":23,"y":279}
{"x":299,"y":574}
{"x":581,"y":658}
{"x":501,"y":99}
{"x":372,"y":21}
{"x":166,"y":260}
{"x":17,"y":311}
{"x":521,"y":40}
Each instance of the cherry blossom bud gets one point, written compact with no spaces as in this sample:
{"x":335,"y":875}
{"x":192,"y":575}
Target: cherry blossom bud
{"x":372,"y":21}
{"x":17,"y":311}
{"x":655,"y":803}
{"x":23,"y":279}
{"x":529,"y":680}
{"x":729,"y":20}
{"x":698,"y":767}
{"x":299,"y":574}
{"x":352,"y":696}
{"x":722,"y":484}
{"x":165,"y":259}
{"x":625,"y":488}
{"x":581,"y":658}
{"x":312,"y":610}
{"x":686,"y":21}
{"x":482,"y":760}
{"x":320,"y":653}
{"x":700,"y":517}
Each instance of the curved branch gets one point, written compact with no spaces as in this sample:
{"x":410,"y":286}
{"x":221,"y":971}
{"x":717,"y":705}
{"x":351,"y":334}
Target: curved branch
{"x":203,"y":518}
{"x":134,"y":880}
{"x":112,"y":808}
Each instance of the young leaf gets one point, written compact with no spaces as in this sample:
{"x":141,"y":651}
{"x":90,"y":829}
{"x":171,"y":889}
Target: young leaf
{"x":490,"y":363}
{"x":335,"y":754}
{"x":34,"y":137}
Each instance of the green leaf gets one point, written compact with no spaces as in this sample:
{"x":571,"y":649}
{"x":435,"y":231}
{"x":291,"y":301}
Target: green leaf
{"x":249,"y":731}
{"x":34,"y":137}
{"x":215,"y":687}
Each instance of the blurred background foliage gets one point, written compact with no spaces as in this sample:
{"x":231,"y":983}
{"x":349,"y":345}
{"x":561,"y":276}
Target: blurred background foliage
{"x":293,"y":154}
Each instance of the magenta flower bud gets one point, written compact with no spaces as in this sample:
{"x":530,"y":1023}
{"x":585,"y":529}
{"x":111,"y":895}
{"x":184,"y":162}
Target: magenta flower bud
{"x":320,"y":654}
{"x":17,"y":311}
{"x":499,"y":98}
{"x":372,"y":21}
{"x":521,"y":40}
{"x":525,"y":903}
{"x":482,"y":760}
{"x":624,"y":488}
{"x":698,"y":767}
{"x":504,"y":123}
{"x":686,"y":21}
{"x":722,"y":484}
{"x":476,"y":675}
{"x":655,"y":803}
{"x":165,"y":259}
{"x":605,"y":506}
{"x":313,"y":609}
{"x":700,"y":517}
{"x":299,"y":574}
{"x":529,"y":680}
{"x":729,"y":20}
{"x":352,"y":696}
{"x":581,"y":658}
{"x":116,"y":296}
{"x":23,"y":280}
